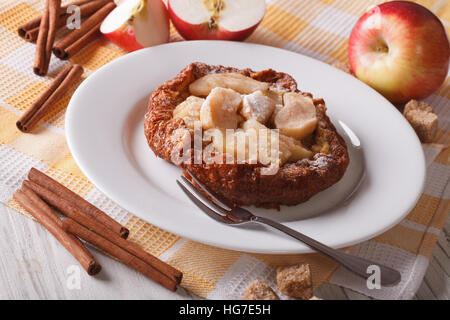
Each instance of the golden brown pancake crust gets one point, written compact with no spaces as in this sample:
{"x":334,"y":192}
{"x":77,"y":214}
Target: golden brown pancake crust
{"x":243,"y":184}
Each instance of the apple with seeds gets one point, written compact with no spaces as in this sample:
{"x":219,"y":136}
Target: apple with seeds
{"x":135,"y":24}
{"x":216,"y":19}
{"x":401,"y":50}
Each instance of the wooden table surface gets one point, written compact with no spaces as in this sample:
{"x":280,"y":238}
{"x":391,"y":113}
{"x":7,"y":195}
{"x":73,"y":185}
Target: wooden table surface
{"x":33,"y":265}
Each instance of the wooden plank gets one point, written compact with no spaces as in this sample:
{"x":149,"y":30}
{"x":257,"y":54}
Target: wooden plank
{"x":353,"y":295}
{"x":436,"y":284}
{"x":328,"y":291}
{"x":441,"y":258}
{"x":438,"y":281}
{"x":424,"y":292}
{"x":444,"y":238}
{"x":33,"y":265}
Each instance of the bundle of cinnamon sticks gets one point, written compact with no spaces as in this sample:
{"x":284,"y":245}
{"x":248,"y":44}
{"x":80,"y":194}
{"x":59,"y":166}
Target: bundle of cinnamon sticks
{"x":85,"y":221}
{"x":42,"y":30}
{"x":29,"y":30}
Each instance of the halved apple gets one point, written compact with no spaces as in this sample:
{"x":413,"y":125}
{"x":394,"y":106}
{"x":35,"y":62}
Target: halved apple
{"x":135,"y":24}
{"x":216,"y":19}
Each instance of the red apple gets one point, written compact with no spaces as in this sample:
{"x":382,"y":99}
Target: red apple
{"x":216,"y":19}
{"x":401,"y":50}
{"x":135,"y":24}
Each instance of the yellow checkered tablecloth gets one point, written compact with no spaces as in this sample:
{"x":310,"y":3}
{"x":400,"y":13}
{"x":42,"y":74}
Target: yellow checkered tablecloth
{"x":317,"y":28}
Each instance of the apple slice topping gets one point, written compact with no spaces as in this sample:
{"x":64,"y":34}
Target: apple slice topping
{"x":245,"y":144}
{"x":258,"y":105}
{"x":229,"y":105}
{"x":189,"y":110}
{"x":220,"y":109}
{"x":297,"y":118}
{"x":234,"y":144}
{"x":288,"y":149}
{"x":266,"y":152}
{"x":235,"y":81}
{"x":216,"y":19}
{"x":298,"y":152}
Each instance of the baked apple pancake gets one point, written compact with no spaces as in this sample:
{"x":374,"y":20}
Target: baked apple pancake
{"x":251,"y":137}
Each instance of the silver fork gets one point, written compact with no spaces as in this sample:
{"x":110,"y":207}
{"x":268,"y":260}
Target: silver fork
{"x":219,"y":211}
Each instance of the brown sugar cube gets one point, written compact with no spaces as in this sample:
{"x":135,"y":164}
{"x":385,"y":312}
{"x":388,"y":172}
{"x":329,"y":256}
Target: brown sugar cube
{"x":423,"y":120}
{"x":418,"y":105}
{"x":295,"y":281}
{"x":344,"y":66}
{"x":259,"y":290}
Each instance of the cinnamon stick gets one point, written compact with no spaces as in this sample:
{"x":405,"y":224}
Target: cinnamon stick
{"x":45,"y":181}
{"x":30,"y":30}
{"x":88,"y":8}
{"x":82,"y":218}
{"x":54,"y":8}
{"x":46,"y":36}
{"x":79,"y":44}
{"x":31,"y":34}
{"x":65,"y":79}
{"x":39,"y":209}
{"x":40,"y":57}
{"x":78,"y":38}
{"x":77,"y":229}
{"x":33,"y":23}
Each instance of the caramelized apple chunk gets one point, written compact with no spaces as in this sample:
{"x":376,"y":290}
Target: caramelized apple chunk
{"x":298,"y":152}
{"x":220,"y":109}
{"x":238,"y":82}
{"x":284,"y":147}
{"x":189,"y":110}
{"x":258,"y":105}
{"x":297,"y":118}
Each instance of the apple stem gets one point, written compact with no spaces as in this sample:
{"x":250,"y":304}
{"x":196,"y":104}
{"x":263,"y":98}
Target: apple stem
{"x":382,"y":48}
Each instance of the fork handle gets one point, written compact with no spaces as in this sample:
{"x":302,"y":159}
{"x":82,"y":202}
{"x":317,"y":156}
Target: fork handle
{"x":388,"y":276}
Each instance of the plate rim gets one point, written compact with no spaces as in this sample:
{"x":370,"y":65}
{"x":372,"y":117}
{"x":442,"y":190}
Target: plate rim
{"x":301,"y":250}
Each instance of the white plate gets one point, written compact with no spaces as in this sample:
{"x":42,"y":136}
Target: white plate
{"x":104,"y":126}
